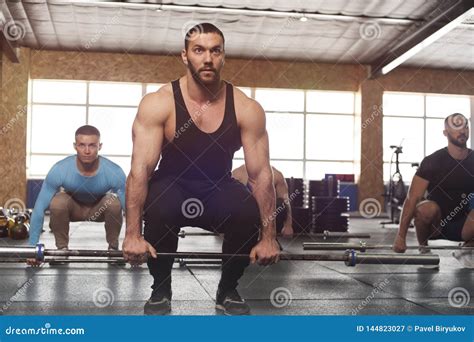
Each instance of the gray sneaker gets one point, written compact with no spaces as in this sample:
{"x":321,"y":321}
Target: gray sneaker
{"x":465,"y":257}
{"x":158,"y":304}
{"x":426,"y":251}
{"x":231,"y":304}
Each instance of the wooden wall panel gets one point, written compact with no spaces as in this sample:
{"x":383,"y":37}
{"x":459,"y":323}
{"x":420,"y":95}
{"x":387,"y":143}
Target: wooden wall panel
{"x":13,"y":118}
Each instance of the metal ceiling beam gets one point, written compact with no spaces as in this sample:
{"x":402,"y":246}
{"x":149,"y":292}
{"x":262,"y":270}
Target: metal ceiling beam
{"x":8,"y":49}
{"x":157,"y":6}
{"x":442,"y":21}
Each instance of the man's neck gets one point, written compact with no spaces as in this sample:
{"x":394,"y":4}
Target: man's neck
{"x":87,"y":169}
{"x":203,"y":93}
{"x":457,"y":152}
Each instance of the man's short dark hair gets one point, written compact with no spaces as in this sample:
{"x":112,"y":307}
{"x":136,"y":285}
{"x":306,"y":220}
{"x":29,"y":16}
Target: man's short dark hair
{"x":455,"y":120}
{"x":87,"y":130}
{"x":202,"y":28}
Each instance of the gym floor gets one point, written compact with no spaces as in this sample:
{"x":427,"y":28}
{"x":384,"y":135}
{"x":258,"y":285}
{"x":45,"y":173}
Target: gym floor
{"x":305,"y":287}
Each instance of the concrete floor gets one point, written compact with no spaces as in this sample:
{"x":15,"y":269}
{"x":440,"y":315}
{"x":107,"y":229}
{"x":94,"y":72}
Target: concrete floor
{"x":312,"y":288}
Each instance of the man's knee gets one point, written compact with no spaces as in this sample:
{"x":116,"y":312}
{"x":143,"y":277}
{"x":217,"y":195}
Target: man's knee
{"x":427,"y":212}
{"x":468,"y":228}
{"x":59,"y":202}
{"x":113,"y":204}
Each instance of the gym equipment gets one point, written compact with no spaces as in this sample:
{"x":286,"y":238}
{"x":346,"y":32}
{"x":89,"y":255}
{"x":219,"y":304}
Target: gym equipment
{"x":3,"y":224}
{"x":20,"y":229}
{"x":349,"y":257}
{"x":396,"y":189}
{"x":328,"y":213}
{"x":296,"y":189}
{"x":325,"y":235}
{"x":363,"y":246}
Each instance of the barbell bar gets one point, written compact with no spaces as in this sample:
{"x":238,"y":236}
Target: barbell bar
{"x":363,"y":246}
{"x":181,"y":262}
{"x":349,"y":257}
{"x":325,"y":235}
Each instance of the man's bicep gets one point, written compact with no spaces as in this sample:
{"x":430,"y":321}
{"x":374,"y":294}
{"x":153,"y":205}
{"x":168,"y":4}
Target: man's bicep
{"x":147,"y":135}
{"x":418,"y":187}
{"x":255,"y":142}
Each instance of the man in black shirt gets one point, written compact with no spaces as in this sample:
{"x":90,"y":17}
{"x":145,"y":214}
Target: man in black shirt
{"x":195,"y":124}
{"x":448,"y":177}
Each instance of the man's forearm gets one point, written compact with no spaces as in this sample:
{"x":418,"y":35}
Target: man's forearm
{"x":137,"y":189}
{"x":289,"y":215}
{"x":408,"y":211}
{"x":264,"y":193}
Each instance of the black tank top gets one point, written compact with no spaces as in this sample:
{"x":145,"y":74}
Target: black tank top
{"x":194,"y":154}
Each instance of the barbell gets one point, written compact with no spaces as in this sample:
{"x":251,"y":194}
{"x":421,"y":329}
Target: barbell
{"x":325,"y":235}
{"x":349,"y":257}
{"x":363,"y":246}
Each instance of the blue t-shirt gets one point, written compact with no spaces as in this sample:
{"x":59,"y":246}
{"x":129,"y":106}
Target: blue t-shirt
{"x":86,"y":189}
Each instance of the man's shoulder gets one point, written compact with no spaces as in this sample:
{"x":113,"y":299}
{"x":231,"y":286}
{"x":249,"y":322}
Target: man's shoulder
{"x":163,"y":93}
{"x":157,"y":105}
{"x":245,"y":105}
{"x":439,"y":154}
{"x":61,"y":168}
{"x":69,"y":161}
{"x":109,"y":164}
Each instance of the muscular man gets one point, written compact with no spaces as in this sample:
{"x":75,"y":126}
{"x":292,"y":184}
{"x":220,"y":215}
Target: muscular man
{"x":284,"y":224}
{"x":448,"y":175}
{"x":196,"y":123}
{"x":82,"y":187}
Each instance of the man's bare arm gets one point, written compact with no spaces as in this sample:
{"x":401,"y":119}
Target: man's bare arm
{"x":415,"y":195}
{"x":257,"y":160}
{"x":148,"y":135}
{"x":281,"y":189}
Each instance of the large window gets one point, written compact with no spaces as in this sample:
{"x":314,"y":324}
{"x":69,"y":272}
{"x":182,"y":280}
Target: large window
{"x":311,"y":132}
{"x":58,"y":108}
{"x":416,"y":122}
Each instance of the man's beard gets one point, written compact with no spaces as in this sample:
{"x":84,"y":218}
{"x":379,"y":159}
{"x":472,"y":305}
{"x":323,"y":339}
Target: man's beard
{"x":197,"y":77}
{"x":457,"y":143}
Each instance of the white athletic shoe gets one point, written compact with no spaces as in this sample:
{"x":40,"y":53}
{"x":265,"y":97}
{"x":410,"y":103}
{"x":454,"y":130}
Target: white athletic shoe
{"x":465,"y":257}
{"x":428,"y":267}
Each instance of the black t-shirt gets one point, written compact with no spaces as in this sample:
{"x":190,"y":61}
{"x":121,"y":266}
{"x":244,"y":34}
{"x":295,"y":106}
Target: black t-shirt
{"x":450,"y":180}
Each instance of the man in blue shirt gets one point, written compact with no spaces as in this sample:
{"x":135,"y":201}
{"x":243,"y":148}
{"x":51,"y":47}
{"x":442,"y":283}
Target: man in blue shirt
{"x":82,"y":187}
